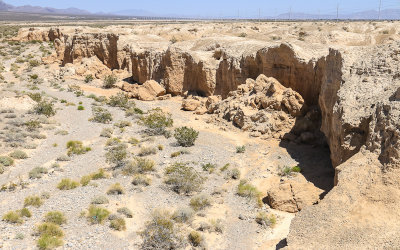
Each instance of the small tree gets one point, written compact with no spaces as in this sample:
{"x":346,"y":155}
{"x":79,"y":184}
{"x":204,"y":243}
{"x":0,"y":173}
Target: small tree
{"x":186,"y":136}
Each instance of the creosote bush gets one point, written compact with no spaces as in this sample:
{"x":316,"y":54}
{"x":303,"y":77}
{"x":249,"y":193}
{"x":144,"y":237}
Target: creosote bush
{"x":97,"y":215}
{"x":44,"y":108}
{"x":109,"y":81}
{"x":266,"y":220}
{"x":55,"y":217}
{"x":67,"y":184}
{"x":157,"y":121}
{"x":185,"y":136}
{"x":33,"y":201}
{"x":161,"y":232}
{"x":101,"y":115}
{"x":183,"y":179}
{"x":76,"y":148}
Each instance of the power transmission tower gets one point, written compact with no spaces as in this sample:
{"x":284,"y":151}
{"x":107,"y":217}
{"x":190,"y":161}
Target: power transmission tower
{"x":380,"y":5}
{"x":290,"y":13}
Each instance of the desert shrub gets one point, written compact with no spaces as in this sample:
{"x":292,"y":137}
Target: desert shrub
{"x":25,"y":213}
{"x":161,"y":232}
{"x":37,"y":97}
{"x":67,"y":184}
{"x":240,"y":149}
{"x":55,"y":217}
{"x":49,"y":229}
{"x":117,"y":154}
{"x":266,"y":220}
{"x":125,"y":211}
{"x":49,"y":242}
{"x":120,"y":100}
{"x":183,"y":178}
{"x":288,"y":171}
{"x":33,"y":201}
{"x":109,"y":81}
{"x":115,"y":189}
{"x":44,"y":108}
{"x":245,"y":189}
{"x":141,"y":180}
{"x":157,"y":121}
{"x":32,"y":125}
{"x":123,"y":124}
{"x":6,"y":161}
{"x":242,"y":35}
{"x":186,"y":136}
{"x":199,"y":202}
{"x":100,"y":200}
{"x":183,"y":214}
{"x":85,"y":180}
{"x":106,"y":132}
{"x":37,"y":172}
{"x":132,"y":110}
{"x":101,"y":174}
{"x":97,"y":215}
{"x":33,"y":63}
{"x":225,"y":167}
{"x":63,"y":158}
{"x":45,"y":195}
{"x":173,"y":40}
{"x":133,"y":141}
{"x":88,"y":78}
{"x":195,"y":239}
{"x":80,"y":107}
{"x":178,"y":153}
{"x":113,"y":141}
{"x":76,"y":148}
{"x":19,"y":154}
{"x":12,"y":217}
{"x":118,"y":224}
{"x":101,"y":115}
{"x":145,"y":151}
{"x":233,"y":174}
{"x":139,"y":165}
{"x":2,"y":168}
{"x":216,"y":225}
{"x":209,"y":167}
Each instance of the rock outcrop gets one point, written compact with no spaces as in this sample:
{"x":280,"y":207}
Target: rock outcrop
{"x":149,"y":91}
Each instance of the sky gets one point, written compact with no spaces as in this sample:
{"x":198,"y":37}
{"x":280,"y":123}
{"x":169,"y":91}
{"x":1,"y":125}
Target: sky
{"x":216,"y":8}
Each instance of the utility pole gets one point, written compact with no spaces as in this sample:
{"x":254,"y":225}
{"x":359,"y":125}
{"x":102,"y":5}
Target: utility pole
{"x":380,"y":5}
{"x":259,"y":14}
{"x":290,"y":13}
{"x":337,"y":13}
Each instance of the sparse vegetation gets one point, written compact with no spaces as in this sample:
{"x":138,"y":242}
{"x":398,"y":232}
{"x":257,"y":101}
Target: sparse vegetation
{"x":240,"y":149}
{"x":97,"y":215}
{"x":109,"y":81}
{"x":18,"y":154}
{"x":100,"y":200}
{"x":37,"y":172}
{"x":76,"y":148}
{"x":101,"y":115}
{"x":12,"y":217}
{"x":141,"y":180}
{"x":55,"y":217}
{"x":120,"y":100}
{"x":88,"y":78}
{"x":118,"y":224}
{"x":106,"y":132}
{"x":125,"y":211}
{"x":186,"y":136}
{"x":117,"y":154}
{"x":116,"y":189}
{"x":50,"y":236}
{"x":245,"y":189}
{"x":266,"y":220}
{"x":67,"y":184}
{"x":157,"y":121}
{"x":145,"y":151}
{"x":289,"y":171}
{"x":183,"y":214}
{"x":200,"y":202}
{"x":6,"y":161}
{"x":183,"y":179}
{"x":33,"y":201}
{"x":196,"y":239}
{"x":44,"y":108}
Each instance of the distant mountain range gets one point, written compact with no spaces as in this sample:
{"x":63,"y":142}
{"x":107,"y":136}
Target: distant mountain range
{"x":391,"y":14}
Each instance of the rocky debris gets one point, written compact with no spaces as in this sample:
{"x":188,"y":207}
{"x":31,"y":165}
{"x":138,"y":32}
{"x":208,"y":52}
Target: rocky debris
{"x":24,"y":103}
{"x":149,"y":91}
{"x":190,"y":104}
{"x":262,"y":105}
{"x":293,"y":195}
{"x":91,"y":66}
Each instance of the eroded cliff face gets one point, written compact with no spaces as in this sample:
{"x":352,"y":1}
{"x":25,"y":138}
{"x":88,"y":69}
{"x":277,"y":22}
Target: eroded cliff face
{"x":356,"y":93}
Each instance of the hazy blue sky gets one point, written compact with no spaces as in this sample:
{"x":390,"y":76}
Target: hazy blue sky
{"x":217,"y":7}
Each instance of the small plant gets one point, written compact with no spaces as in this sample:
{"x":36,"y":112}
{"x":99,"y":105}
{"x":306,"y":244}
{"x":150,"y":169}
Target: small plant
{"x":19,"y":236}
{"x":67,"y":184}
{"x":12,"y":217}
{"x":118,"y":224}
{"x":145,"y":151}
{"x":88,"y":78}
{"x":106,"y":132}
{"x":117,"y":154}
{"x":101,"y":115}
{"x":85,"y":180}
{"x":50,"y":236}
{"x":37,"y":97}
{"x":240,"y":149}
{"x":120,"y":100}
{"x":186,"y":136}
{"x":116,"y":189}
{"x":63,"y":158}
{"x":123,"y":124}
{"x":101,"y":174}
{"x":288,"y":171}
{"x":160,"y":147}
{"x":161,"y":233}
{"x":157,"y":121}
{"x":183,"y":215}
{"x":33,"y":63}
{"x":37,"y":172}
{"x":34,"y":201}
{"x":6,"y":161}
{"x":100,"y":200}
{"x":97,"y":215}
{"x":76,"y":148}
{"x":183,"y":178}
{"x":49,"y":242}
{"x":173,"y":40}
{"x":55,"y":217}
{"x":44,"y":108}
{"x":233,"y":174}
{"x":109,"y":81}
{"x":125,"y":211}
{"x":19,"y":154}
{"x":266,"y":220}
{"x":245,"y":189}
{"x":139,"y":165}
{"x":200,"y":202}
{"x":195,"y":239}
{"x":141,"y":180}
{"x":80,"y":107}
{"x":25,"y":213}
{"x":209,"y":167}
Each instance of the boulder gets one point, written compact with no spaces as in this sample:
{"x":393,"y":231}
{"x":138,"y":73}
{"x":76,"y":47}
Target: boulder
{"x":149,"y":91}
{"x":190,"y":104}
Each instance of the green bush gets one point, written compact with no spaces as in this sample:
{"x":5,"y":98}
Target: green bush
{"x":245,"y":189}
{"x":37,"y":172}
{"x":25,"y":213}
{"x":141,"y":180}
{"x":161,"y":233}
{"x":49,"y":229}
{"x":88,"y":78}
{"x":120,"y":100}
{"x":288,"y":171}
{"x":109,"y":81}
{"x":200,"y":202}
{"x":34,"y":201}
{"x":266,"y":220}
{"x":12,"y":217}
{"x":145,"y":151}
{"x":125,"y":211}
{"x":19,"y":154}
{"x":97,"y":215}
{"x":116,"y":154}
{"x":101,"y":115}
{"x":67,"y":184}
{"x":44,"y":108}
{"x":183,"y":214}
{"x":118,"y":224}
{"x":157,"y":121}
{"x":80,"y":107}
{"x":183,"y":178}
{"x":37,"y":97}
{"x":55,"y":217}
{"x":196,"y":239}
{"x":101,"y":174}
{"x":100,"y":200}
{"x":6,"y":161}
{"x":116,"y":189}
{"x":186,"y":136}
{"x":85,"y":180}
{"x":240,"y":149}
{"x":76,"y":148}
{"x":33,"y":63}
{"x":49,"y":242}
{"x":139,"y":166}
{"x":209,"y":167}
